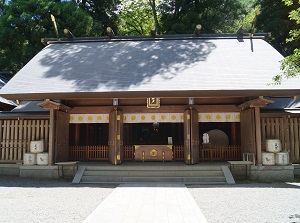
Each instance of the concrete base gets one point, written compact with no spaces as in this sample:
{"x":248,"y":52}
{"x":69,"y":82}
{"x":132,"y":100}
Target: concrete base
{"x":43,"y":172}
{"x":272,"y":173}
{"x":35,"y":171}
{"x":296,"y":170}
{"x":10,"y":169}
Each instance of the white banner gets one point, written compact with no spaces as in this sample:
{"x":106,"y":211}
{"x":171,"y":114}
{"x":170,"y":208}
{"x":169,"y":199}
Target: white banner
{"x":156,"y":117}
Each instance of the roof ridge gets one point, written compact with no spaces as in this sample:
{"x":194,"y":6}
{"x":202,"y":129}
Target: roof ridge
{"x":48,"y":41}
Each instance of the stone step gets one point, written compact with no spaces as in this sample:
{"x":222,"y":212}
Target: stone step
{"x":118,"y":179}
{"x":149,"y":167}
{"x":189,"y":183}
{"x":157,"y":173}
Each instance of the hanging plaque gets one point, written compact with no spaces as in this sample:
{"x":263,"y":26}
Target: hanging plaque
{"x":153,"y":102}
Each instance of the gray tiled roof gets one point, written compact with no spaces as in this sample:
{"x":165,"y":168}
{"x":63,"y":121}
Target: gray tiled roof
{"x":3,"y":81}
{"x":29,"y":106}
{"x":284,"y":103}
{"x":139,"y":66}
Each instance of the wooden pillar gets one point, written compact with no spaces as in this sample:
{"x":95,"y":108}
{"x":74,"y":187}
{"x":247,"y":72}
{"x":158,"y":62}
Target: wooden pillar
{"x":258,"y":135}
{"x":51,"y":137}
{"x":286,"y":125}
{"x":233,"y":133}
{"x":115,"y":143}
{"x":187,"y":137}
{"x":191,"y":137}
{"x":62,"y":148}
{"x":77,"y":134}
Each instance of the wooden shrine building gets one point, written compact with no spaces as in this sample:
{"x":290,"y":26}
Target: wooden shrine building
{"x":153,"y":98}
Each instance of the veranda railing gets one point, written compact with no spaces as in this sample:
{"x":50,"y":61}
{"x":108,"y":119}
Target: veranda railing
{"x":211,"y":153}
{"x":220,"y":153}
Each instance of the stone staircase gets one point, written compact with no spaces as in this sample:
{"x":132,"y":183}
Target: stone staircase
{"x":187,"y":174}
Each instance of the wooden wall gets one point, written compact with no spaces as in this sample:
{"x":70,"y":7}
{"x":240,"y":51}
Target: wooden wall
{"x":15,"y":137}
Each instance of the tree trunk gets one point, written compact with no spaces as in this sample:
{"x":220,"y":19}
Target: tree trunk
{"x":152,"y":4}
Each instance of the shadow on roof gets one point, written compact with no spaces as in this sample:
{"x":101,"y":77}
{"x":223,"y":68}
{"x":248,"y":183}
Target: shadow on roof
{"x":120,"y":65}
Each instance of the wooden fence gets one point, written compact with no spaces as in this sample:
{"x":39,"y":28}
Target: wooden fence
{"x":15,"y":137}
{"x":285,"y":129}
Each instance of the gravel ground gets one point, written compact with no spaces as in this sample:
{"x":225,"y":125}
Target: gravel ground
{"x":35,"y":201}
{"x":249,"y":203}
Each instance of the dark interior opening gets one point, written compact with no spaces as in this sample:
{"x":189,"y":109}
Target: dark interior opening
{"x":231,"y":129}
{"x":153,"y":133}
{"x":89,"y":134}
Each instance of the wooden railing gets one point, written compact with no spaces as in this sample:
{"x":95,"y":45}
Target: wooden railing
{"x":85,"y":153}
{"x":213,"y":153}
{"x":221,"y":153}
{"x":129,"y":153}
{"x":178,"y":153}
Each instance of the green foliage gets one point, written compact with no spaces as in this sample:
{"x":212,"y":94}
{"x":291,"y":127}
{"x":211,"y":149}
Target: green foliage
{"x":274,"y":18}
{"x":215,"y":16}
{"x":103,"y":12}
{"x":25,"y":22}
{"x":135,"y":18}
{"x":291,"y":64}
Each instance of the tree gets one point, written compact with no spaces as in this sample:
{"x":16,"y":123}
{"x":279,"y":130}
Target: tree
{"x":154,"y":11}
{"x":2,"y":3}
{"x":274,"y":18}
{"x":215,"y":16}
{"x":103,"y":12}
{"x":291,"y":64}
{"x":25,"y":22}
{"x":136,"y":17}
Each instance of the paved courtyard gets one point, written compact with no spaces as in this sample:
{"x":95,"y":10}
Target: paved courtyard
{"x":24,"y":200}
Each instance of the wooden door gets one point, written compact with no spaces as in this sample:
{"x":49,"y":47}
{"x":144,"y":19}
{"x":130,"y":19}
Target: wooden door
{"x":116,"y":148}
{"x":248,"y":131}
{"x":62,"y":137}
{"x":191,"y":137}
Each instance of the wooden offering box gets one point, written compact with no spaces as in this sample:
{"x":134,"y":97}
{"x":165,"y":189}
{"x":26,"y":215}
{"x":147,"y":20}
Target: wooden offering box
{"x":153,"y":153}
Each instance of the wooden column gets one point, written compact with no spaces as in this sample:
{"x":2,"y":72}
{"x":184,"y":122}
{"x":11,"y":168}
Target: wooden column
{"x":258,"y":134}
{"x":248,"y":131}
{"x":286,"y":143}
{"x":62,"y":150}
{"x":77,"y":134}
{"x":115,"y":142}
{"x":233,"y":133}
{"x":187,"y":137}
{"x":51,"y":137}
{"x":191,"y":137}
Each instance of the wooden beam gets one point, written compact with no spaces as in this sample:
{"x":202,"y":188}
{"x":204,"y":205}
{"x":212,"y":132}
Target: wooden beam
{"x":146,"y":94}
{"x":197,"y":30}
{"x":258,"y":102}
{"x":153,"y":31}
{"x":162,"y":109}
{"x":48,"y":104}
